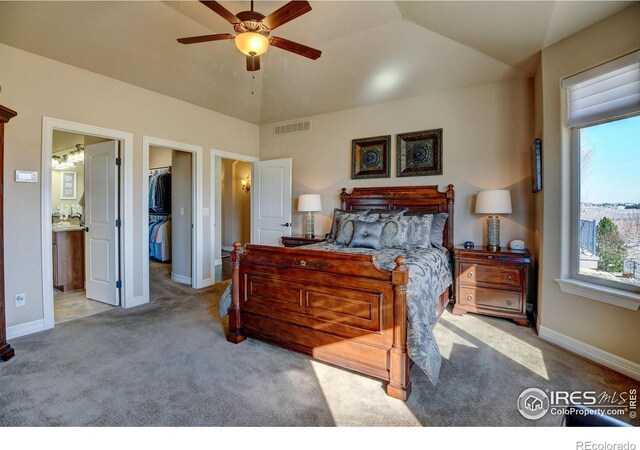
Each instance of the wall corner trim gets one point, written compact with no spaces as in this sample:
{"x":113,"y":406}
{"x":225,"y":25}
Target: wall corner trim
{"x":616,"y":297}
{"x":26,"y":328}
{"x":626,"y":367}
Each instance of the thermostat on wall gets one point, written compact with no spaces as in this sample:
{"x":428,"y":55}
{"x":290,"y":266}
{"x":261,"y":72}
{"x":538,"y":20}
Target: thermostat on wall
{"x":26,"y":176}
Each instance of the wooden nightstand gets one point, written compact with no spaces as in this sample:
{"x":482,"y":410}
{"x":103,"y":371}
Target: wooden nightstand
{"x":492,"y":283}
{"x":297,"y":241}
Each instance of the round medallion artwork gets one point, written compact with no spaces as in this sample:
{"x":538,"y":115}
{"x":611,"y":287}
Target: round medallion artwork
{"x":419,"y":154}
{"x":371,"y":158}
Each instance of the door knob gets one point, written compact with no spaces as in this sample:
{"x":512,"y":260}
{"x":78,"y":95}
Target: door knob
{"x":285,"y":224}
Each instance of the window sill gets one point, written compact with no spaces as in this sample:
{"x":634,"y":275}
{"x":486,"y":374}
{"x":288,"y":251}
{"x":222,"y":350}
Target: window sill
{"x":612,"y":296}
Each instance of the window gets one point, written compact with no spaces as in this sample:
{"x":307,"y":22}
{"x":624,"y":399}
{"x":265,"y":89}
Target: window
{"x":609,"y":203}
{"x":603,"y":112}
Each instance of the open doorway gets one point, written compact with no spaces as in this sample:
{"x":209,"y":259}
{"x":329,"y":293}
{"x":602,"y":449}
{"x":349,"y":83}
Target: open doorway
{"x":108,"y":231}
{"x":85,"y":237}
{"x":171,"y":214}
{"x":235,"y":217}
{"x":232,"y":185}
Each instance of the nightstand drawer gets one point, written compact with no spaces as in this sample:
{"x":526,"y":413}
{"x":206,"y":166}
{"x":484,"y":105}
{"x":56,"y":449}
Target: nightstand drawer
{"x":492,"y":298}
{"x":498,"y":275}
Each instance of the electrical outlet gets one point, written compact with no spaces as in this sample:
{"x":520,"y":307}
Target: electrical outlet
{"x":21,"y":300}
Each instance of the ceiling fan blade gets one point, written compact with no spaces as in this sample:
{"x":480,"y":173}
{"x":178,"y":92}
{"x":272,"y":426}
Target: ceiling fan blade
{"x":285,"y":14}
{"x":206,"y":38}
{"x":294,"y":47}
{"x":253,"y":63}
{"x":221,"y":11}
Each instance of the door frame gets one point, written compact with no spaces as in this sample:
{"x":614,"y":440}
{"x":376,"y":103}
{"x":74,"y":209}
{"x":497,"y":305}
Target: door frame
{"x":197,"y":252}
{"x":125,"y":263}
{"x":216,"y":195}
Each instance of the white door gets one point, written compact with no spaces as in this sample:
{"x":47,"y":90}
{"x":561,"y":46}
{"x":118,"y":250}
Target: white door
{"x":271,"y":201}
{"x":101,"y":213}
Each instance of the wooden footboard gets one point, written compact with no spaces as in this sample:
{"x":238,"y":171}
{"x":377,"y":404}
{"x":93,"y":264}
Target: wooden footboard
{"x":336,"y":307}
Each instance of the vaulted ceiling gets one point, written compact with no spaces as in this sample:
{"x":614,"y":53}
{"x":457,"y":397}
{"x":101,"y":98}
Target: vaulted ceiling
{"x":371,"y":51}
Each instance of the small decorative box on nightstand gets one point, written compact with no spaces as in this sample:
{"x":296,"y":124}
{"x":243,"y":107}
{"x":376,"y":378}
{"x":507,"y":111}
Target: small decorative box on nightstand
{"x":297,"y":241}
{"x":492,"y":283}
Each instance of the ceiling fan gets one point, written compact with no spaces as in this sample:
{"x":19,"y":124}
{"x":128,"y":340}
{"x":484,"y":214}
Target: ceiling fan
{"x":253,"y":31}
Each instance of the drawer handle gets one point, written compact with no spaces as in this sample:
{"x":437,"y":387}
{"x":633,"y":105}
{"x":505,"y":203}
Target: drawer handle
{"x":470,"y":275}
{"x":509,"y":302}
{"x":509,"y":278}
{"x":469,"y":297}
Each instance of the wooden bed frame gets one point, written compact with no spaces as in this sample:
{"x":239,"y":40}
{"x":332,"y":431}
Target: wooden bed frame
{"x":338,"y":308}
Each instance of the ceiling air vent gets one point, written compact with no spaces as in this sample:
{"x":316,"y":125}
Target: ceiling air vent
{"x":288,"y":128}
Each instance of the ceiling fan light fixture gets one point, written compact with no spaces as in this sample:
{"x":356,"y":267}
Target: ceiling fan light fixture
{"x":251,"y":43}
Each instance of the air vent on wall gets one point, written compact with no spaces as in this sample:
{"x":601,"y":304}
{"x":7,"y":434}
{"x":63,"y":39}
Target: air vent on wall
{"x":288,"y":128}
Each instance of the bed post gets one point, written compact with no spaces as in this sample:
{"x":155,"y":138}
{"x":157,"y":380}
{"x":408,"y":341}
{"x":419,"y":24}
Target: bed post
{"x":343,"y":198}
{"x":235,"y":334}
{"x":399,"y":382}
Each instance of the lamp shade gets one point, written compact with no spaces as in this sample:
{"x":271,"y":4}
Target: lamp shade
{"x":251,"y":43}
{"x":309,"y":202}
{"x":496,"y":201}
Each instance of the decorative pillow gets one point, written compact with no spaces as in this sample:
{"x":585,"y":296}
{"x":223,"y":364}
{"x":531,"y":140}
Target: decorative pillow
{"x":345,"y":227}
{"x":366,"y":234}
{"x":340,"y":213}
{"x":418,"y":231}
{"x":394,"y":232}
{"x":384,"y":213}
{"x":437,"y":227}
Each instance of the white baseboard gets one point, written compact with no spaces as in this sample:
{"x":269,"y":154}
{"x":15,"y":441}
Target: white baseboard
{"x":181,"y":279}
{"x":218,"y":262}
{"x":208,"y":282}
{"x":228,"y":248}
{"x":595,"y":354}
{"x":25,"y":328}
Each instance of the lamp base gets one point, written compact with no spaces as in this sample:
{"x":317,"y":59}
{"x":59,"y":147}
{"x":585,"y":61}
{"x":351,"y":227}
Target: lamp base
{"x":310,"y":226}
{"x":493,"y":233}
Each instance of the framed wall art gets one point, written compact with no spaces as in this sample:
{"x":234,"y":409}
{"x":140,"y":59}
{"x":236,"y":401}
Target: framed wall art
{"x":68,"y":186}
{"x":419,"y":153}
{"x":536,"y":166}
{"x":371,"y":157}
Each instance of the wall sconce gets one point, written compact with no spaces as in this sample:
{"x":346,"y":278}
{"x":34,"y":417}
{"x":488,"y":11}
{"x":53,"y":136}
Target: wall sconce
{"x":246,"y":184}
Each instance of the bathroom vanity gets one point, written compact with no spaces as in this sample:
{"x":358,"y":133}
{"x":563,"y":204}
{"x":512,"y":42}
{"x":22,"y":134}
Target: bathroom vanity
{"x":68,"y":258}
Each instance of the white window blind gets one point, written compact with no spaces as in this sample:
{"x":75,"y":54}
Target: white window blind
{"x":605,"y":92}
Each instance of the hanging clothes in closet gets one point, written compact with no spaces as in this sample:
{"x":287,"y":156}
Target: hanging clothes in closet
{"x":160,"y":190}
{"x":160,"y":237}
{"x":159,"y":217}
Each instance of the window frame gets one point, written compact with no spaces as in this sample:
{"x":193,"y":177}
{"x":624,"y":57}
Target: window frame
{"x":574,"y":266}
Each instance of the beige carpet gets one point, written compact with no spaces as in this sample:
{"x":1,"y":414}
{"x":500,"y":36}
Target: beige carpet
{"x":168,"y":363}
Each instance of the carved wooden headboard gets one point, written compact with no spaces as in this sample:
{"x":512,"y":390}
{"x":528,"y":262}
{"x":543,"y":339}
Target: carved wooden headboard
{"x":423,"y":198}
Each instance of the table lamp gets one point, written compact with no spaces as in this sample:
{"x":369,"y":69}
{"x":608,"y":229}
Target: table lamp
{"x":493,"y":202}
{"x":309,"y":203}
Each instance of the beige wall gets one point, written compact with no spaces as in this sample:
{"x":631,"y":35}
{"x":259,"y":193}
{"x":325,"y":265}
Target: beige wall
{"x":609,"y":328}
{"x":159,"y":157}
{"x":35,"y":87}
{"x":487,"y":133}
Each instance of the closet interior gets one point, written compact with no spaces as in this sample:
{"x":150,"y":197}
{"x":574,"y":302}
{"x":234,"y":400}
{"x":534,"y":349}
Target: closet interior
{"x":170,"y":214}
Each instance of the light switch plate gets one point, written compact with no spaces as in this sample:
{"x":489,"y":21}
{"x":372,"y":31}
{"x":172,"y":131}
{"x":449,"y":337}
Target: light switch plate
{"x":26,"y":176}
